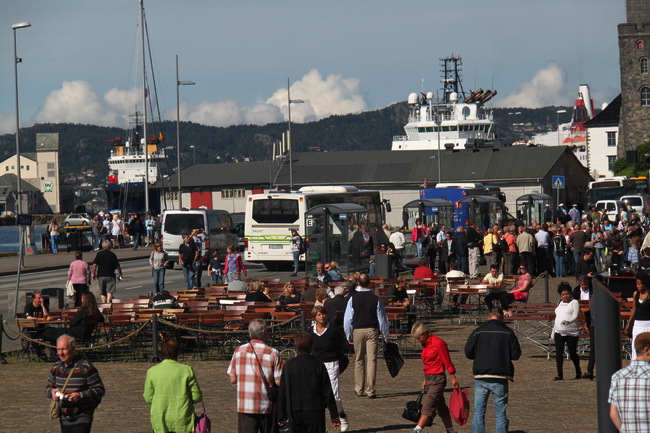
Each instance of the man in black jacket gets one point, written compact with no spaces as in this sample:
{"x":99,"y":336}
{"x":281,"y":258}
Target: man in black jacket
{"x":493,"y":346}
{"x":586,"y":265}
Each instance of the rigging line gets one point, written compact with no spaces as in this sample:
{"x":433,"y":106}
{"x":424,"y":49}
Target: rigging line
{"x":153,"y":75}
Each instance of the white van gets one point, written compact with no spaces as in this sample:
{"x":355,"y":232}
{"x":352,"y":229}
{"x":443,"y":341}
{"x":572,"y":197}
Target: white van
{"x":612,"y":208}
{"x":216,"y":224}
{"x":639,"y":203}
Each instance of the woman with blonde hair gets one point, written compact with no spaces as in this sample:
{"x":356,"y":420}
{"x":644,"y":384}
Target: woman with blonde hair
{"x":289,"y":296}
{"x":436,"y":359}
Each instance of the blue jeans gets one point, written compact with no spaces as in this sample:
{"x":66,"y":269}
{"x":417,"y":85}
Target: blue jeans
{"x":482,"y":390}
{"x":216,"y":278}
{"x":418,"y":244}
{"x":55,"y":243}
{"x":559,"y":264}
{"x":188,"y":273}
{"x":136,"y":241}
{"x":96,"y":241}
{"x":159,"y":279}
{"x":296,"y":261}
{"x":462,"y":264}
{"x":601,"y":259}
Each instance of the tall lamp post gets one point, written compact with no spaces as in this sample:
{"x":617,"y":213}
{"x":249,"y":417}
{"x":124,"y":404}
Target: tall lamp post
{"x":178,"y":132}
{"x":19,"y":207}
{"x":289,"y":102}
{"x":558,"y":112}
{"x":193,"y":154}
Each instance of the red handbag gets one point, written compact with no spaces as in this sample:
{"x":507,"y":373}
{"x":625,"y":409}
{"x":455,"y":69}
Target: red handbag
{"x":459,"y":406}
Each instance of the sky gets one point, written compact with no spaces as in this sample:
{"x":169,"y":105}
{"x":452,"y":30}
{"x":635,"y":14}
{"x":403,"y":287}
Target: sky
{"x":81,"y":58}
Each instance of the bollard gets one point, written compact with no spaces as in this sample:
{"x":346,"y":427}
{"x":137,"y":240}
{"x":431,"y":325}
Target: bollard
{"x":303,"y":322}
{"x":154,"y":339}
{"x":605,"y":313}
{"x":546,"y":287}
{"x":2,"y":331}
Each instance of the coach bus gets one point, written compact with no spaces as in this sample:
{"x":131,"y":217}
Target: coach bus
{"x":610,"y":188}
{"x":270,"y":218}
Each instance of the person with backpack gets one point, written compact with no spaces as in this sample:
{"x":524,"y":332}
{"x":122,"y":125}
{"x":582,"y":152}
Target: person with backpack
{"x":297,"y":248}
{"x":558,"y":243}
{"x":234,"y":263}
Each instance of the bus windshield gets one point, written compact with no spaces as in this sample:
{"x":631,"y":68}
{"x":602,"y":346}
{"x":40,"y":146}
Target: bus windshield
{"x":275,"y":211}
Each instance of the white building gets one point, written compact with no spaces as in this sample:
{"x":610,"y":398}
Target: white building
{"x":602,"y":140}
{"x":40,"y":169}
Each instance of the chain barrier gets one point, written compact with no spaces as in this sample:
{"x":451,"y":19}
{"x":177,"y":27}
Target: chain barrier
{"x":22,"y":336}
{"x":209,"y":331}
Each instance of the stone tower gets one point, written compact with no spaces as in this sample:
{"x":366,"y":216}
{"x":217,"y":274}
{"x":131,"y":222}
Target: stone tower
{"x":634,"y":54}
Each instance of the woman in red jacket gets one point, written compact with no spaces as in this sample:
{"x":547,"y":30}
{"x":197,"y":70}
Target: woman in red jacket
{"x":436,"y":359}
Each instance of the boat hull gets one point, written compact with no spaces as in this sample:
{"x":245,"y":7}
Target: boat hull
{"x":130,"y":197}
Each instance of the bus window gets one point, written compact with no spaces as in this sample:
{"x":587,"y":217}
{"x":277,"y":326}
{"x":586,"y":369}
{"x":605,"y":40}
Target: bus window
{"x":275,"y":211}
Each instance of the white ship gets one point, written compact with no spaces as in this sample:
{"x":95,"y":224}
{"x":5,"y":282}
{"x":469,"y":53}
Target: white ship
{"x":125,"y":188}
{"x":454,"y":121}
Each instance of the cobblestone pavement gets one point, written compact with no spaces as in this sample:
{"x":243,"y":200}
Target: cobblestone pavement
{"x":537,"y":403}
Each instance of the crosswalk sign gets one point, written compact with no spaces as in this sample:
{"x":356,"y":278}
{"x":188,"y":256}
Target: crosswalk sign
{"x":558,"y":182}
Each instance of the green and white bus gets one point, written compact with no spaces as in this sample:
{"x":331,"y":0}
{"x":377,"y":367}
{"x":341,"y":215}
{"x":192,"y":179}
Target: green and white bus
{"x":270,"y":218}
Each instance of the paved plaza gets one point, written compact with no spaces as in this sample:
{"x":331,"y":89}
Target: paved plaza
{"x":537,"y":403}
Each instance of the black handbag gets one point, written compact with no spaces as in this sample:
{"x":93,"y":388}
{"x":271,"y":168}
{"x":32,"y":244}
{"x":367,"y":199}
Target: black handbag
{"x":344,"y":362}
{"x":413,"y":410}
{"x":394,"y":360}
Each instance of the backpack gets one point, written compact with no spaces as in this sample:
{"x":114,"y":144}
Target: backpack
{"x":557,"y":245}
{"x":503,"y":245}
{"x":302,"y":246}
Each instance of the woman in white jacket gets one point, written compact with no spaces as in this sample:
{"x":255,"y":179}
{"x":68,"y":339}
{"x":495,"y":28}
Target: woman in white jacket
{"x":566,"y":330}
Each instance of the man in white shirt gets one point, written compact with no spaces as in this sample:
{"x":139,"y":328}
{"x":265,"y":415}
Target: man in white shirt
{"x":397,"y":238}
{"x":494,"y":280}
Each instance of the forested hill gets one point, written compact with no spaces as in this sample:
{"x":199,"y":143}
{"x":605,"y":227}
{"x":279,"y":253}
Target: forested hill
{"x":84,"y":147}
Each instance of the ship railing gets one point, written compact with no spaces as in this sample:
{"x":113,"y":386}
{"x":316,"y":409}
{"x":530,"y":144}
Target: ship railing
{"x":400,"y":138}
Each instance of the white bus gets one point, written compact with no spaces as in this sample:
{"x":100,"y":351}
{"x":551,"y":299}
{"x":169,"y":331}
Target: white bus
{"x":270,"y":217}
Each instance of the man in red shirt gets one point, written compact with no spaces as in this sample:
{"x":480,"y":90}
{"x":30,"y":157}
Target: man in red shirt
{"x":423,"y":270}
{"x":436,"y":359}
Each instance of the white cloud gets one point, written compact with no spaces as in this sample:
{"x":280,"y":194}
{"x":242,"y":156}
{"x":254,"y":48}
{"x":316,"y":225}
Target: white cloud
{"x":548,"y":87}
{"x":78,"y":102}
{"x":322,"y":97}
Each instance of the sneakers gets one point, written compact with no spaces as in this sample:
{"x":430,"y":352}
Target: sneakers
{"x":293,"y":275}
{"x":344,"y":424}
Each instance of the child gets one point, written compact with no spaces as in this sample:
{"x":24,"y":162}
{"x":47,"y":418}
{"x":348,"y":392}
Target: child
{"x":234,"y":263}
{"x":214,"y":269}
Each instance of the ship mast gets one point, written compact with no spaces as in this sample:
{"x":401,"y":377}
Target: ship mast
{"x":144,"y":103}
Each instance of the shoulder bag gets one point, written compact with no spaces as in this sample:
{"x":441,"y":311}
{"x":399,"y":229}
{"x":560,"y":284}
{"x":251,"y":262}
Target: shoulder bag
{"x":55,"y":407}
{"x":272,"y":389}
{"x":69,"y":289}
{"x":202,"y":424}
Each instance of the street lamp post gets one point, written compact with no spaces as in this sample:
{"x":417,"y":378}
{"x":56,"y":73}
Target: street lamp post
{"x":289,"y":102}
{"x":193,"y":154}
{"x":178,"y":132}
{"x":558,"y":112}
{"x":19,"y":192}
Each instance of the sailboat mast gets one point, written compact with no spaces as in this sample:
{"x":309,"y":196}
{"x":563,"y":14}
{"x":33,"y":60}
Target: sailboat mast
{"x":144,"y":103}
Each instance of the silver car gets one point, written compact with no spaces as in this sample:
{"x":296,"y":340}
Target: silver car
{"x":77,"y":219}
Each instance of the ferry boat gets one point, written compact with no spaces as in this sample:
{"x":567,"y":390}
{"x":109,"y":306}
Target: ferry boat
{"x":125,"y":185}
{"x":456,"y":120}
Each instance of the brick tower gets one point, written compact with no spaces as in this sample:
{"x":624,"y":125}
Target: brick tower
{"x":634,"y":54}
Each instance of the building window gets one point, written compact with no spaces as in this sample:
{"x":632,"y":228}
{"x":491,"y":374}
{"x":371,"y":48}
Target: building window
{"x":611,"y":139}
{"x":645,"y":96}
{"x":50,"y":166}
{"x":233,"y":193}
{"x":643,"y":64}
{"x":6,"y":168}
{"x":610,"y":162}
{"x":51,"y":174}
{"x":27,"y":167}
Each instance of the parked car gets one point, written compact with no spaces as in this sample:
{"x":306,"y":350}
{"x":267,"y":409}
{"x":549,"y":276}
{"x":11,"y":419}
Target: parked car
{"x":77,"y":219}
{"x":612,"y":208}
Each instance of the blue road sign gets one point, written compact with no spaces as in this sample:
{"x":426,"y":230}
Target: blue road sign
{"x":24,"y":220}
{"x":558,"y":182}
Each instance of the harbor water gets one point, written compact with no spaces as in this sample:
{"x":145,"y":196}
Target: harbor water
{"x":9,"y":237}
